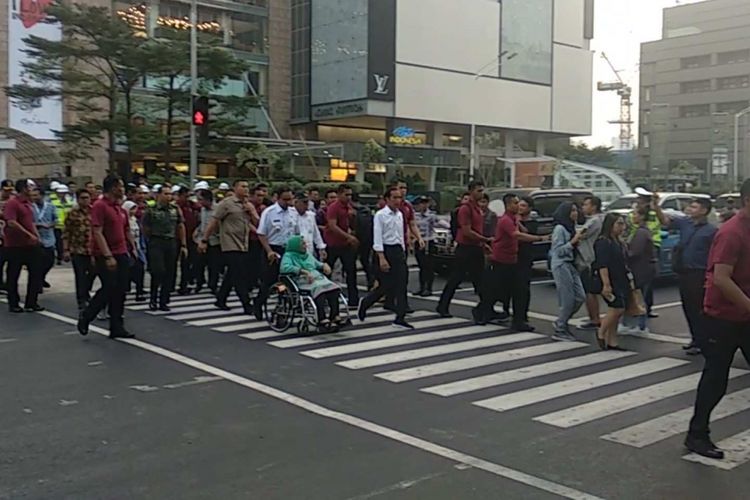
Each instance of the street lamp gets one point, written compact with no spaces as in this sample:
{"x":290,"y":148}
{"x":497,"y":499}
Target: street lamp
{"x":735,"y":172}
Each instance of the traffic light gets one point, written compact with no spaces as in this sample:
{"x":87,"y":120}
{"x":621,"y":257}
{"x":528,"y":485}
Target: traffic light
{"x":200,"y":111}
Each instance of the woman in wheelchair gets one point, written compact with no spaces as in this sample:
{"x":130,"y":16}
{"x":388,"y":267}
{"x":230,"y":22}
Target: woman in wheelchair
{"x":305,"y":270}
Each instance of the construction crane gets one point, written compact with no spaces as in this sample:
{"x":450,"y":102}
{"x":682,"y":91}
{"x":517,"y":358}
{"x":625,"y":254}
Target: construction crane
{"x":625,"y":92}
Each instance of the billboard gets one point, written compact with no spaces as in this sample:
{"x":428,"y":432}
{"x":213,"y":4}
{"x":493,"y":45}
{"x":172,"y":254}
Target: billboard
{"x":25,"y":18}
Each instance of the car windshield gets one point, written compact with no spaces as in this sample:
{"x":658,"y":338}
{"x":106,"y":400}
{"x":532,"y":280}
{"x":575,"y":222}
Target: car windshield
{"x":621,"y":203}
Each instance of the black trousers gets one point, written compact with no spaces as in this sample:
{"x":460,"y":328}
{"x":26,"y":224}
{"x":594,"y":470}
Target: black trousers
{"x":691,"y":284}
{"x":332,"y":299}
{"x":47,"y":262}
{"x":137,"y":275}
{"x":83,"y":270}
{"x":162,"y":264}
{"x":469,"y":261}
{"x":392,"y":284}
{"x":524,"y":272}
{"x":501,"y":283}
{"x":364,"y":253}
{"x":269,"y":275}
{"x":426,"y":267}
{"x":722,"y":341}
{"x":17,"y":257}
{"x":111,"y":294}
{"x":188,"y":265}
{"x":257,"y":259}
{"x":347,"y":256}
{"x":3,"y":261}
{"x":59,"y":245}
{"x":211,"y":261}
{"x":235,"y":277}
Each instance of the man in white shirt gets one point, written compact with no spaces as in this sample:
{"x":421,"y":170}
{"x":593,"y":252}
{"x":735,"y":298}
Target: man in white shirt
{"x":390,"y":247}
{"x":306,"y":226}
{"x":275,"y":228}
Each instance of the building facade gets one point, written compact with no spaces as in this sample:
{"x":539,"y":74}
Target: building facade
{"x":445,"y":87}
{"x":693,"y":83}
{"x":257,"y":31}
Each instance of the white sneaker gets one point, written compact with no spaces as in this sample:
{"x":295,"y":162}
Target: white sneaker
{"x":626,"y":330}
{"x":645,"y":331}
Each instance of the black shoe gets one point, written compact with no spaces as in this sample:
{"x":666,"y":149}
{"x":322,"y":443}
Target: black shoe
{"x":409,"y":310}
{"x":257,"y":310}
{"x":693,"y":351}
{"x":46,"y":284}
{"x":83,"y":324}
{"x":165,"y":308}
{"x":198,"y":289}
{"x":401,"y":323}
{"x":34,"y":309}
{"x":703,"y":447}
{"x":222,"y":307}
{"x":425,"y":293}
{"x":361,"y":310}
{"x":522,"y":327}
{"x":419,"y":293}
{"x":139,"y":297}
{"x":499,"y":317}
{"x":653,"y":315}
{"x":152,"y":306}
{"x":443,"y":314}
{"x":478,"y":319}
{"x":16,"y":309}
{"x":121,"y":334}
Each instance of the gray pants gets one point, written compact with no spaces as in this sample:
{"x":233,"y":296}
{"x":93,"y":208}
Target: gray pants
{"x":570,"y":294}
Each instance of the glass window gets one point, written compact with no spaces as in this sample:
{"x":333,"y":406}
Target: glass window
{"x":695,"y":86}
{"x":734,"y":82}
{"x":646,"y":141}
{"x":731,"y":107}
{"x":734,"y":57}
{"x":339,"y":50}
{"x":249,"y":32}
{"x":695,"y":62}
{"x":646,"y":117}
{"x":527,"y":40}
{"x":647,"y":91}
{"x":695,"y":111}
{"x":670,"y":205}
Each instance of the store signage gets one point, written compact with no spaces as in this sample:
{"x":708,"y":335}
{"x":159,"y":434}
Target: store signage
{"x":405,"y":136}
{"x":339,"y":110}
{"x":381,"y":84}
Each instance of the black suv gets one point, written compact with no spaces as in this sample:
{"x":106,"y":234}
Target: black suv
{"x":546,"y":202}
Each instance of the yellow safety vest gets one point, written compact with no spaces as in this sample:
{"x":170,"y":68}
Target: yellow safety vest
{"x":653,"y":224}
{"x":62,"y":208}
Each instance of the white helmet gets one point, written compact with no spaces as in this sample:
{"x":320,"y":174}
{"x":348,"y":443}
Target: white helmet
{"x":202,"y":185}
{"x":224,"y":186}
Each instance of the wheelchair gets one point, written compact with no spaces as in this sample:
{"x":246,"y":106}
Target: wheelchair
{"x":292,"y":304}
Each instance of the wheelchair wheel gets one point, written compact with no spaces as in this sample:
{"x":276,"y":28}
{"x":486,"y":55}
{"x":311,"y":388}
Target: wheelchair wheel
{"x":303,"y":327}
{"x":281,"y":316}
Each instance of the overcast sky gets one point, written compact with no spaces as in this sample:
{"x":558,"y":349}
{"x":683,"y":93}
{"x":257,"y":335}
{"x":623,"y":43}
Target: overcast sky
{"x":621,"y":26}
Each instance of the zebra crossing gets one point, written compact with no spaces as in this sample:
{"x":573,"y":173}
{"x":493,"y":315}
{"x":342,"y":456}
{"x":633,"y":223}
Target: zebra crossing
{"x":576,"y":383}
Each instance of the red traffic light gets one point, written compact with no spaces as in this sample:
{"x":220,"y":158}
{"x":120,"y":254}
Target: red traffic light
{"x":200,"y":111}
{"x":199,"y":118}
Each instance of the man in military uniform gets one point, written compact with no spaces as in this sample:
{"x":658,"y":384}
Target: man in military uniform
{"x":164,"y":227}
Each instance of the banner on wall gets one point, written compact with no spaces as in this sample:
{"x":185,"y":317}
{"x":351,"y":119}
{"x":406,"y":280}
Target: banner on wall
{"x":25,"y":18}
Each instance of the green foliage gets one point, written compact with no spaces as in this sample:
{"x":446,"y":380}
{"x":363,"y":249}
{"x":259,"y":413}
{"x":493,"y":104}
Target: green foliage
{"x":581,"y":152}
{"x":372,"y":152}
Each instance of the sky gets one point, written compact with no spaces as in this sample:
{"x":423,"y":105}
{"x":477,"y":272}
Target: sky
{"x":620,"y":28}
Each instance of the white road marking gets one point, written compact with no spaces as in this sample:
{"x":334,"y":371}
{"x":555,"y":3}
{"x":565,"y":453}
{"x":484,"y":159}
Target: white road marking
{"x":174,"y":299}
{"x":8,"y":340}
{"x":194,"y":308}
{"x":525,"y":373}
{"x":203,"y":314}
{"x":668,"y":305}
{"x":229,"y":317}
{"x":672,"y":424}
{"x":270,"y":334}
{"x":201,"y":379}
{"x":367,"y":332}
{"x":428,"y":352}
{"x":181,"y":303}
{"x":618,"y":403}
{"x":468,"y":363}
{"x":351,"y":420}
{"x":736,"y":452}
{"x":327,"y":352}
{"x":579,"y":384}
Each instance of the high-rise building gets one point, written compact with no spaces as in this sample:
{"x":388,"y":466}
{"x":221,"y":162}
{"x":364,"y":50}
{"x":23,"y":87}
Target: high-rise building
{"x":445,"y":86}
{"x":693,"y":83}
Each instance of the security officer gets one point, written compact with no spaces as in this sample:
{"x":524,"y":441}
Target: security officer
{"x":164,"y":227}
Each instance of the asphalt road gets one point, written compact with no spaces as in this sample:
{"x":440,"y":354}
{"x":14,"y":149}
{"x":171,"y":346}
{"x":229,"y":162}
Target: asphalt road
{"x":212,"y":405}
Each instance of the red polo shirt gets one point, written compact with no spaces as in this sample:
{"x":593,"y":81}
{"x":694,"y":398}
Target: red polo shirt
{"x":731,"y":246}
{"x":469,"y":213}
{"x":342,"y":214}
{"x":190,"y":215}
{"x":111,"y":217}
{"x":505,"y":244}
{"x":21,"y":211}
{"x":408,"y":212}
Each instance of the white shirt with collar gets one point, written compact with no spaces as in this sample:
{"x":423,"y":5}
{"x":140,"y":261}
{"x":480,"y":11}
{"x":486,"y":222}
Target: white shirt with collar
{"x":277,"y":225}
{"x":306,"y":226}
{"x":388,"y":229}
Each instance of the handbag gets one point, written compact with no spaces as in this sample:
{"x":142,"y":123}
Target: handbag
{"x":635,"y":306}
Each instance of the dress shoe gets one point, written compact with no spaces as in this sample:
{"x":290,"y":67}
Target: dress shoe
{"x":478,"y":319}
{"x":257,"y":309}
{"x":121,"y":334}
{"x":34,"y":309}
{"x":653,"y":315}
{"x":153,"y":307}
{"x":522,"y":327}
{"x":222,"y":307}
{"x":183,"y":291}
{"x":703,"y":447}
{"x":46,"y":284}
{"x":165,"y":308}
{"x":139,"y":297}
{"x":83,"y":324}
{"x":443,"y":314}
{"x":425,"y":293}
{"x":401,"y":323}
{"x":16,"y":309}
{"x":361,"y":310}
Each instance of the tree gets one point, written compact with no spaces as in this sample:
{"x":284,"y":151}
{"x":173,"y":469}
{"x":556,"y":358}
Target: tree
{"x":581,"y":152}
{"x":97,"y":64}
{"x":251,"y":157}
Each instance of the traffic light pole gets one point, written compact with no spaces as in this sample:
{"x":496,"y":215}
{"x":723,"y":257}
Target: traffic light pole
{"x":193,"y":88}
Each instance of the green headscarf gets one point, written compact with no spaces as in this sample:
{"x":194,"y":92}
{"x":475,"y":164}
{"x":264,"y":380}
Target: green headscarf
{"x":295,"y":244}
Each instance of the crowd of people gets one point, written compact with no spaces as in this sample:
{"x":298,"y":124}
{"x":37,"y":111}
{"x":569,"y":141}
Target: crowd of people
{"x":240,"y":238}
